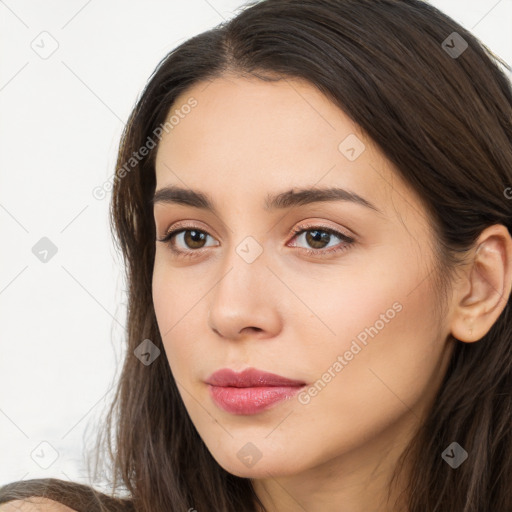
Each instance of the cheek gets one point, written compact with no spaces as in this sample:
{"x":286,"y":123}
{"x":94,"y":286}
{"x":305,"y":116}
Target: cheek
{"x":373,"y":339}
{"x":176,"y":292}
{"x":383,"y":360}
{"x":175,"y":301}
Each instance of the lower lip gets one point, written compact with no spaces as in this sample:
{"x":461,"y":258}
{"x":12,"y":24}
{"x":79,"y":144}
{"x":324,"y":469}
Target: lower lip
{"x":250,"y":400}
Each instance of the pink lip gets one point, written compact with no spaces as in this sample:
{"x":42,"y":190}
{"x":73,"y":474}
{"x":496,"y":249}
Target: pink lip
{"x":250,"y":391}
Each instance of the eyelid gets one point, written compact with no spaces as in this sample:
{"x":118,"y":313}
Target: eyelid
{"x":320,"y":225}
{"x":346,"y":240}
{"x":186,"y":225}
{"x":176,"y":229}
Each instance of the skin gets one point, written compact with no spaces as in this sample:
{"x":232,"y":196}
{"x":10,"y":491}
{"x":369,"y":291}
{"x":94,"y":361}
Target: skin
{"x":34,"y":504}
{"x":293,"y":314}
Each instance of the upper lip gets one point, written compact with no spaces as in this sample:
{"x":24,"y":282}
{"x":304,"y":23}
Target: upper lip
{"x":250,"y":377}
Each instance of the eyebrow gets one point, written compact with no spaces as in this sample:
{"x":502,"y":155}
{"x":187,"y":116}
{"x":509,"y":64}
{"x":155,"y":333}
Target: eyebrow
{"x":287,"y":199}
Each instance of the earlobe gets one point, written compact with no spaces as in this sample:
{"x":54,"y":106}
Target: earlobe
{"x":489,"y":281}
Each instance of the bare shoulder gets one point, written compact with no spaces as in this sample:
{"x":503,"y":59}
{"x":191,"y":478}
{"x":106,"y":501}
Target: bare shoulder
{"x":34,"y":504}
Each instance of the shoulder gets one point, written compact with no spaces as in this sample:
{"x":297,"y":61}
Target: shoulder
{"x":34,"y":504}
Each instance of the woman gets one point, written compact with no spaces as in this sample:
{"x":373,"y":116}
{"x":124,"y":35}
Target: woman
{"x":313,"y":204}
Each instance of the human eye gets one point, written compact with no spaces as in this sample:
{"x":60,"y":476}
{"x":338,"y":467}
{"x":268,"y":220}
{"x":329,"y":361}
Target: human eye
{"x":320,"y":237}
{"x":190,"y":237}
{"x":192,"y":240}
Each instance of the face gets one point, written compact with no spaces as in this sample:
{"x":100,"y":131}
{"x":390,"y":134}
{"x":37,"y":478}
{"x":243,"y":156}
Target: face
{"x":334,"y":294}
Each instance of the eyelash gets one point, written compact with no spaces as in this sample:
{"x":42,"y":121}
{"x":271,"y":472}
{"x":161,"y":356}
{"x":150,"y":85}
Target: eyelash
{"x":192,"y":253}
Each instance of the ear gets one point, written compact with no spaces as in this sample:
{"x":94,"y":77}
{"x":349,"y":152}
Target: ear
{"x":484,"y":291}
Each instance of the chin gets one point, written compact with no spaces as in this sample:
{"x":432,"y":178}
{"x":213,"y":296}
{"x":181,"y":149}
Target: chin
{"x":265,"y":467}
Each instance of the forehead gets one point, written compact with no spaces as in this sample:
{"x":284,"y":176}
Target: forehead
{"x":248,"y":136}
{"x":245,"y":119}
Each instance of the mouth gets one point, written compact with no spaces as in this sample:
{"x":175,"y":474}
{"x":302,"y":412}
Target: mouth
{"x":251,"y":391}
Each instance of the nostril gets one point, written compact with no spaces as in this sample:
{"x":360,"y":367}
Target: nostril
{"x":256,"y":329}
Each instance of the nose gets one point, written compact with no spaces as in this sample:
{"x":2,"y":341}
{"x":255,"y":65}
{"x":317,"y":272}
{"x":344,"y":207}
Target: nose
{"x":245,"y":302}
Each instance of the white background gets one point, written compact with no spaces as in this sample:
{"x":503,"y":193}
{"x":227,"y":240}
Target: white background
{"x":61,"y":118}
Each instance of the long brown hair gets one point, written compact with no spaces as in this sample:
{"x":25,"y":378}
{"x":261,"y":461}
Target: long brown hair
{"x":439,"y":107}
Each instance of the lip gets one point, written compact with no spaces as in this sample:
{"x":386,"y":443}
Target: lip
{"x":250,"y":377}
{"x":250,"y":391}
